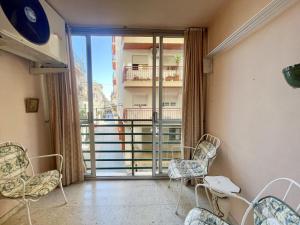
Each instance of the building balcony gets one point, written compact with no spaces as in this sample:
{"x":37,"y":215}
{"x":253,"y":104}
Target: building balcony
{"x":141,"y":76}
{"x":137,"y":43}
{"x":146,"y":113}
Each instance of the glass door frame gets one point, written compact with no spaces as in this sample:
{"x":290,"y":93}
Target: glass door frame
{"x":157,"y":115}
{"x":88,"y":32}
{"x":157,"y":118}
{"x":91,"y":106}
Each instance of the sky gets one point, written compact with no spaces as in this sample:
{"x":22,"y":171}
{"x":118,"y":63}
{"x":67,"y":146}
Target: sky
{"x":102,"y":71}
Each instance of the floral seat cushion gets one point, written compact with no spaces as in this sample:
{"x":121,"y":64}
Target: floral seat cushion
{"x":179,"y":168}
{"x":35,"y":186}
{"x":205,"y":151}
{"x":13,"y":160}
{"x":272,"y":211}
{"x":268,"y":211}
{"x":199,"y":216}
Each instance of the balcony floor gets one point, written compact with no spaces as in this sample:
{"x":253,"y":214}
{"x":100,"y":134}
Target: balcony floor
{"x":144,"y":202}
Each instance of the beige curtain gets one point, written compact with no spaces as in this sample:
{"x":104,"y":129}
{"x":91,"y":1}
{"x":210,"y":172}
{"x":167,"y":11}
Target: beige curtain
{"x":194,"y":87}
{"x":64,"y":121}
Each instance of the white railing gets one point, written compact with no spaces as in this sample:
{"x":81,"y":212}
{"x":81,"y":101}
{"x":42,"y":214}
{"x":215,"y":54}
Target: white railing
{"x":144,"y":73}
{"x":146,"y":113}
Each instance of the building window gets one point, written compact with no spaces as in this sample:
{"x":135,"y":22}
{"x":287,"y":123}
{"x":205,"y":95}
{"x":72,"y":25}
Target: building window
{"x":139,"y":60}
{"x":170,"y":101}
{"x":139,"y":105}
{"x":169,"y":104}
{"x":174,"y":134}
{"x":139,"y":100}
{"x":169,"y":60}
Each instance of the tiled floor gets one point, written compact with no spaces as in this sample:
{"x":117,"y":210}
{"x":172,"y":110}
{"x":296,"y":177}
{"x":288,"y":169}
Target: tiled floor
{"x":145,"y":202}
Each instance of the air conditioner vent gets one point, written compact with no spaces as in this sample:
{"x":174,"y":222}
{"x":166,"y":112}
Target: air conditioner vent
{"x":37,"y":38}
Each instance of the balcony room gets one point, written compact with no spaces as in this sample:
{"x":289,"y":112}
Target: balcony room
{"x":149,"y":112}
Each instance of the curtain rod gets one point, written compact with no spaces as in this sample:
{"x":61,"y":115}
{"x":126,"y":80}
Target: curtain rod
{"x":80,"y":30}
{"x":196,"y":28}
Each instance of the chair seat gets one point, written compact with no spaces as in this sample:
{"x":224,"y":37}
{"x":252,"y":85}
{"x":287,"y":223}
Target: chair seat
{"x":198,"y":216}
{"x":35,"y":186}
{"x":179,"y":168}
{"x":271,"y":210}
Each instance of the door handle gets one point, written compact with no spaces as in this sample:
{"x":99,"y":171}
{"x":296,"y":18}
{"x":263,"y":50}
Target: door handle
{"x":154,"y":116}
{"x":90,"y":117}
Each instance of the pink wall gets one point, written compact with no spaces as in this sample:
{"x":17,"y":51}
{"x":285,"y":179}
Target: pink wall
{"x":251,"y":107}
{"x":29,"y":129}
{"x":230,"y":17}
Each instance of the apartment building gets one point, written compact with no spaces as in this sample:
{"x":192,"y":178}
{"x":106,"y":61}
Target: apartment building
{"x":133,"y":90}
{"x":133,"y":66}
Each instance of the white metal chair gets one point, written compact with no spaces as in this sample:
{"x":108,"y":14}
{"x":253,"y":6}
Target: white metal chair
{"x":203,"y":156}
{"x":16,"y":184}
{"x":267,"y":209}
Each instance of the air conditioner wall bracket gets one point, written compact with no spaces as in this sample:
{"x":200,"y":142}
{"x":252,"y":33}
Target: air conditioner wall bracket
{"x":38,"y":69}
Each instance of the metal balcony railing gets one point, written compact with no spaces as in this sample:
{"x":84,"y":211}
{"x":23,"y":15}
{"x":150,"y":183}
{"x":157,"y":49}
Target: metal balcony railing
{"x":144,"y":73}
{"x":125,"y":146}
{"x":146,"y":113}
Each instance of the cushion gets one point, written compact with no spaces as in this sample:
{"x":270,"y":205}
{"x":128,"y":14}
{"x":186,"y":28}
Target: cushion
{"x":13,"y":160}
{"x":198,"y":216}
{"x":205,"y":151}
{"x":272,"y":211}
{"x":198,"y":167}
{"x":179,"y":168}
{"x":35,"y":186}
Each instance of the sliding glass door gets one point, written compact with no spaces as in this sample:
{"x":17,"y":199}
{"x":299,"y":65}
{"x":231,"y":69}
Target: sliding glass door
{"x":129,"y":92}
{"x":167,"y":96}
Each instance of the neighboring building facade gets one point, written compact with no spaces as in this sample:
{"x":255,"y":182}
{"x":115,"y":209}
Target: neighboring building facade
{"x":133,"y":68}
{"x":132,"y":92}
{"x":100,"y":103}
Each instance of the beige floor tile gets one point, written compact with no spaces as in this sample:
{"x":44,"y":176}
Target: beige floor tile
{"x":146,"y":202}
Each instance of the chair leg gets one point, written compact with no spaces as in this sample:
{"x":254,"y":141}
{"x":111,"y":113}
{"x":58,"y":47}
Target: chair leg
{"x":28,"y":212}
{"x":179,"y":197}
{"x":62,"y":190}
{"x":169,"y":184}
{"x":208,"y":197}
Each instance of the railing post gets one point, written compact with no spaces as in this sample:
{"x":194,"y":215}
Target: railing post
{"x":132,"y":149}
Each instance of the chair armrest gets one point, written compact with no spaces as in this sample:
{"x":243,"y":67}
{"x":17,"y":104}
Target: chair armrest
{"x":21,"y":179}
{"x":182,"y":147}
{"x":51,"y":155}
{"x":228,"y":194}
{"x":185,"y":147}
{"x":189,"y":160}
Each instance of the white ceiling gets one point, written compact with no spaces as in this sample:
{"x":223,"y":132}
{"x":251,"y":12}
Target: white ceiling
{"x":138,"y":13}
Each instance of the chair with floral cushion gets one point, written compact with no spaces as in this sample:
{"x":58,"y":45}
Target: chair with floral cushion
{"x":267,"y":209}
{"x":203,"y":156}
{"x":16,"y":184}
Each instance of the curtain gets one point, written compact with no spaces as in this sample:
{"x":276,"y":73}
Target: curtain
{"x":194,"y":87}
{"x":64,"y":121}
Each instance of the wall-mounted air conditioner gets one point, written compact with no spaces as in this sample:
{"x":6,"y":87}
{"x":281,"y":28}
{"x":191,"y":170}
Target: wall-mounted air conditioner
{"x":33,"y":30}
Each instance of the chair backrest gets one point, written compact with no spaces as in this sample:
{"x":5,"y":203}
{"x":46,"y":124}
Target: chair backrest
{"x":267,"y":210}
{"x":206,"y":149}
{"x":270,"y":210}
{"x":13,"y":160}
{"x":273,"y":211}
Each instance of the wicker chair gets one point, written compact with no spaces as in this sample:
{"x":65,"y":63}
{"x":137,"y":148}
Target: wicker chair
{"x":203,"y":156}
{"x":267,"y":209}
{"x":16,"y":184}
